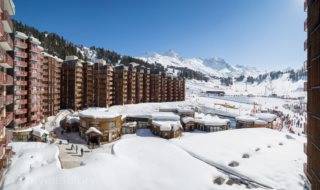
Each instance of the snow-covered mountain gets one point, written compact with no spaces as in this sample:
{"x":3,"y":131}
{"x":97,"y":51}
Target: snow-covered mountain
{"x":212,"y":67}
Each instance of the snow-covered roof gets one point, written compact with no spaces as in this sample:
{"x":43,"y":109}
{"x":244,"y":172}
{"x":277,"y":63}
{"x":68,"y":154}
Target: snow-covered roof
{"x":70,"y":119}
{"x":71,"y":58}
{"x":102,"y":61}
{"x":93,"y":130}
{"x":21,"y":35}
{"x":165,"y":116}
{"x":39,"y":132}
{"x":98,"y":113}
{"x":268,"y":117}
{"x":187,"y":119}
{"x":251,"y":119}
{"x":211,"y":120}
{"x":34,"y":40}
{"x":167,"y":125}
{"x":130,"y":124}
{"x":185,"y":111}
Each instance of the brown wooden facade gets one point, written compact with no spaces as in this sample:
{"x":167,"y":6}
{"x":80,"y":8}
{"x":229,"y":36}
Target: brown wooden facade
{"x":312,"y":45}
{"x":72,"y":83}
{"x":120,"y":84}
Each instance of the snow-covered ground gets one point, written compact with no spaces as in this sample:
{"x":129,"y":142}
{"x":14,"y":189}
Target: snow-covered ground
{"x":265,"y":155}
{"x":194,"y":161}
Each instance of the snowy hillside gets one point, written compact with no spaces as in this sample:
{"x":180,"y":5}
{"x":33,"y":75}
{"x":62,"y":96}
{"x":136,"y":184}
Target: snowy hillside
{"x":212,"y":67}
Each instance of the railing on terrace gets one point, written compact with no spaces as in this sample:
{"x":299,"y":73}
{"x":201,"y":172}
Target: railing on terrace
{"x":5,"y":16}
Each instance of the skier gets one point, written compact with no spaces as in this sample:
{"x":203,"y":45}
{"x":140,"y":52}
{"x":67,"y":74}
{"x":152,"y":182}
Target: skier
{"x":81,"y":150}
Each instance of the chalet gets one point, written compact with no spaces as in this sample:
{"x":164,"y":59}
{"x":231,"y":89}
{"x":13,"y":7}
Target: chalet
{"x":247,"y":121}
{"x":166,"y":125}
{"x":107,"y":125}
{"x":143,"y":121}
{"x":210,"y":123}
{"x":188,"y":123}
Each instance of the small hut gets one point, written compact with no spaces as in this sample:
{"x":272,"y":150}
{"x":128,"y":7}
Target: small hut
{"x":39,"y":135}
{"x":129,"y":127}
{"x":166,"y":125}
{"x":209,"y":123}
{"x":143,"y":121}
{"x":71,"y":123}
{"x":248,"y":121}
{"x":188,"y":123}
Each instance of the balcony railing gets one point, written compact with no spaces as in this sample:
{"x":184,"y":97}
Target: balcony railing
{"x":305,"y":45}
{"x":305,"y":25}
{"x":21,"y":44}
{"x":9,"y":99}
{"x":22,"y":101}
{"x":21,"y":111}
{"x":9,"y":80}
{"x":21,"y":83}
{"x":21,"y":63}
{"x":21,"y":92}
{"x":21,"y":73}
{"x":305,"y":5}
{"x":7,"y":22}
{"x":21,"y":54}
{"x":19,"y":121}
{"x":35,"y":58}
{"x":6,"y":42}
{"x":5,"y":59}
{"x":9,"y":118}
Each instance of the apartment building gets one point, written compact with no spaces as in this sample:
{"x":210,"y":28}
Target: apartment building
{"x":7,"y":9}
{"x":103,"y":84}
{"x":35,"y":83}
{"x":88,"y":85}
{"x":312,"y":45}
{"x":146,"y":85}
{"x":72,"y":83}
{"x":51,"y":70}
{"x":120,"y":84}
{"x":155,"y":86}
{"x":170,"y":89}
{"x":131,"y":82}
{"x":139,"y":84}
{"x":164,"y":84}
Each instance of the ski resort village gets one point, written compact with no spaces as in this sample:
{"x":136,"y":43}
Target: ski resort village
{"x":74,"y":117}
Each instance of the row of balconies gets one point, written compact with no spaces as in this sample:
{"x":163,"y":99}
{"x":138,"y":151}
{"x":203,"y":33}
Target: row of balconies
{"x":6,"y":21}
{"x":21,"y":73}
{"x":21,"y":111}
{"x":20,"y":44}
{"x":20,"y":63}
{"x":21,"y":54}
{"x":6,"y":42}
{"x":5,"y":79}
{"x":21,"y":82}
{"x":6,"y":60}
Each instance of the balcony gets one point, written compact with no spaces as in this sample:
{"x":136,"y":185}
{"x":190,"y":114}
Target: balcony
{"x":6,"y":60}
{"x":9,"y":80}
{"x":35,"y":58}
{"x":305,"y":5}
{"x":21,"y":83}
{"x":6,"y":21}
{"x":305,"y":45}
{"x":21,"y":73}
{"x":6,"y":42}
{"x":35,"y":49}
{"x":9,"y":118}
{"x":9,"y":99}
{"x":305,"y":25}
{"x":21,"y":92}
{"x":22,"y":101}
{"x":2,"y":77}
{"x":21,"y":44}
{"x":20,"y":64}
{"x":21,"y":54}
{"x":21,"y":111}
{"x":20,"y":121}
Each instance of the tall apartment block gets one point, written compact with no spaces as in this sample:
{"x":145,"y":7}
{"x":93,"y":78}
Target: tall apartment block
{"x":103,"y":84}
{"x":88,"y":85}
{"x":170,"y":89}
{"x":146,"y":85}
{"x":139,"y":84}
{"x":7,"y":9}
{"x":120,"y":84}
{"x":51,"y":71}
{"x":21,"y":80}
{"x":131,"y":82}
{"x":155,"y":86}
{"x":72,"y":83}
{"x":164,"y":84}
{"x":35,"y":83}
{"x":312,"y":45}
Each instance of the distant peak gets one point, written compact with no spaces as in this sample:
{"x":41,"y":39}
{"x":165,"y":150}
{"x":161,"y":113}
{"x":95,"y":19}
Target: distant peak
{"x":171,"y":53}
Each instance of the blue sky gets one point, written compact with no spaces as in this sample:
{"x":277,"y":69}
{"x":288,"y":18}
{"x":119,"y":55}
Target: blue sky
{"x":267,"y":34}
